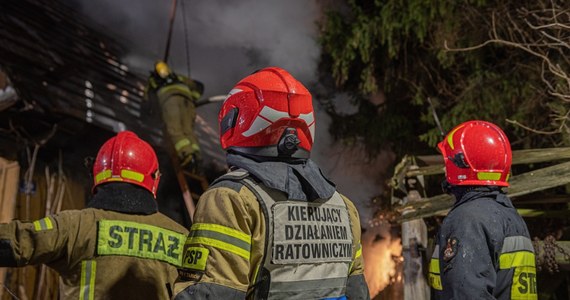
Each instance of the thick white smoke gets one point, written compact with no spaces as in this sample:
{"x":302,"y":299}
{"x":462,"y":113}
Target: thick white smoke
{"x":227,"y":39}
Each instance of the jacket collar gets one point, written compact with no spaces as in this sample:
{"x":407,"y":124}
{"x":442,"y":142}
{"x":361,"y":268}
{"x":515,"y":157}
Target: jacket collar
{"x":484,"y":192}
{"x":124,"y":197}
{"x":300,"y":180}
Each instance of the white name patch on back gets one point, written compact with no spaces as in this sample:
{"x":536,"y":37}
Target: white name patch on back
{"x":311,"y":233}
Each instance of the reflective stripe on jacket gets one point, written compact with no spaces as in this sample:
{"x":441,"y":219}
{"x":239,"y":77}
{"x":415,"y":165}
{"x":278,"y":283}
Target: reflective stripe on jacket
{"x":172,"y":85}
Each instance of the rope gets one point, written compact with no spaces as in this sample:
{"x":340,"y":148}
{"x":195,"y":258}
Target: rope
{"x":186,"y":43}
{"x":169,"y":36}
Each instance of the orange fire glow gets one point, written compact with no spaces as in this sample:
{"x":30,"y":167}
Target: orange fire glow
{"x":379,"y":250}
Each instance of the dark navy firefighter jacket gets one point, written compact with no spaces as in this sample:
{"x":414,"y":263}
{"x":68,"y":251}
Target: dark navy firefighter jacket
{"x":483,"y":251}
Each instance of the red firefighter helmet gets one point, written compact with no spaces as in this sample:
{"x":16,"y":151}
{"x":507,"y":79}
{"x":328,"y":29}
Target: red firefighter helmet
{"x":476,"y":153}
{"x":127,"y":158}
{"x":268,"y":113}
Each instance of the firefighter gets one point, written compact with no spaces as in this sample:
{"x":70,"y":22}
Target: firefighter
{"x":176,"y":95}
{"x":483,"y":250}
{"x":273,"y":227}
{"x":118,"y":242}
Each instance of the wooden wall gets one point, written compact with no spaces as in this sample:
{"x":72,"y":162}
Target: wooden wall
{"x":53,"y":192}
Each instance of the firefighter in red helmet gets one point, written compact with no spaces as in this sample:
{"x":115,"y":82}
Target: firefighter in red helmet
{"x":483,"y":249}
{"x":273,"y":227}
{"x":118,"y":242}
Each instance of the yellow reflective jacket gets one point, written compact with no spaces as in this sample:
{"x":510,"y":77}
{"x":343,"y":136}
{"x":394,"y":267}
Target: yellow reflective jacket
{"x":173,"y":85}
{"x":100,"y":254}
{"x":227,"y":243}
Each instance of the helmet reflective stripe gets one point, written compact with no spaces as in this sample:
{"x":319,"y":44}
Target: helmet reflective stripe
{"x":127,"y":174}
{"x":450,"y":137}
{"x":233,"y":92}
{"x":272,"y":115}
{"x":489,"y":176}
{"x":102,"y":175}
{"x":258,"y":125}
{"x":310,"y":120}
{"x":136,"y":176}
{"x":267,"y":116}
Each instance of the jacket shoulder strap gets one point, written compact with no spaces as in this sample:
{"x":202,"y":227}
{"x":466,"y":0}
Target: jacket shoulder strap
{"x":235,"y":175}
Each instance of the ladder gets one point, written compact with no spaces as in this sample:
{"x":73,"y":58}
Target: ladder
{"x":191,"y":185}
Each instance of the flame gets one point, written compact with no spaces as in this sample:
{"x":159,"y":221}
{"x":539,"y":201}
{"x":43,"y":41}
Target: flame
{"x":380,"y":252}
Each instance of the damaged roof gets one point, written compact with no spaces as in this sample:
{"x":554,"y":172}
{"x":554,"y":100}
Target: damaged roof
{"x":62,"y":65}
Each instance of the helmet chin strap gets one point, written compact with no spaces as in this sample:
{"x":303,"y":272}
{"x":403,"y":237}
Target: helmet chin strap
{"x":446,"y":186}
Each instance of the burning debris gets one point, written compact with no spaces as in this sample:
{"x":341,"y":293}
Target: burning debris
{"x":382,"y":251}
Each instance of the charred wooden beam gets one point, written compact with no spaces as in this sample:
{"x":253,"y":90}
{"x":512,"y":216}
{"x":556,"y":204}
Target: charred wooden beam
{"x":519,"y":157}
{"x":523,"y":184}
{"x":543,"y":199}
{"x":530,"y":213}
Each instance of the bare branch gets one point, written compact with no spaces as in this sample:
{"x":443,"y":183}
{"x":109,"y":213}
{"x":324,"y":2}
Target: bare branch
{"x":514,"y":122}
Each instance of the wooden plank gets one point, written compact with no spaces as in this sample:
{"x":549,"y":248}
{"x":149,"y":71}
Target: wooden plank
{"x":529,"y":213}
{"x":9,"y":176}
{"x":427,"y":170}
{"x":540,"y":179}
{"x":439,"y":208}
{"x":519,"y":157}
{"x":543,"y":199}
{"x":414,"y":237}
{"x":523,"y":184}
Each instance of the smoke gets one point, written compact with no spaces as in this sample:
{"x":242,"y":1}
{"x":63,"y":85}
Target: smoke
{"x":356,"y":175}
{"x":226,"y":39}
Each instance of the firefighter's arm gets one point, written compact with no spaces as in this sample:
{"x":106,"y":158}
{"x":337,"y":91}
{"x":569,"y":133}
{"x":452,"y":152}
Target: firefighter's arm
{"x":218,"y":257}
{"x":466,"y":259}
{"x":28,"y":243}
{"x":149,"y":96}
{"x":356,"y":287}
